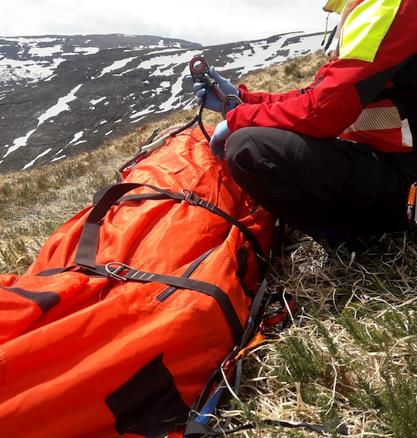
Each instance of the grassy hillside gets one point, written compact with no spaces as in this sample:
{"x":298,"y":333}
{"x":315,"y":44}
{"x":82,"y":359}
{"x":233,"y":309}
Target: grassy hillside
{"x":351,"y":354}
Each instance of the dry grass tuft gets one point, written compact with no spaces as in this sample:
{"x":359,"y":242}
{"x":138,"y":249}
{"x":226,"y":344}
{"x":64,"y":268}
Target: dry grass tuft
{"x":294,"y":74}
{"x":350,"y":356}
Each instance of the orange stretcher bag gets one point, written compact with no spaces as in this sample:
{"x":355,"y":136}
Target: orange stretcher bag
{"x":133,"y":303}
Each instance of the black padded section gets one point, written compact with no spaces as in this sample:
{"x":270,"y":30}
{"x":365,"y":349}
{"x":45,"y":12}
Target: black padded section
{"x":45,"y":300}
{"x":149,"y":403}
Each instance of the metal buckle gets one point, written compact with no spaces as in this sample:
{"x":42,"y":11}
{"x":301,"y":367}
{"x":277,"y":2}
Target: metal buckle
{"x":191,"y":197}
{"x":114,"y":269}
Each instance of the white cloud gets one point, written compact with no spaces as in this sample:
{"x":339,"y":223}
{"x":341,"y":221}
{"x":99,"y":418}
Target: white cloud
{"x":204,"y":21}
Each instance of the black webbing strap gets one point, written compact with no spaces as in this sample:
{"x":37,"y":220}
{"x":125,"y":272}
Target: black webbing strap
{"x":144,"y":197}
{"x":187,"y":274}
{"x":53,"y":271}
{"x":136,"y":198}
{"x":254,"y":315}
{"x":56,"y":271}
{"x":210,"y":398}
{"x":89,"y":239}
{"x":105,"y":199}
{"x":194,"y":199}
{"x":122,"y":272}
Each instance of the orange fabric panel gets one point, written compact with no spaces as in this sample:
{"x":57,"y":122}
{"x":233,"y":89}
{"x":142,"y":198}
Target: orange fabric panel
{"x":64,"y":357}
{"x":28,"y":298}
{"x":7,"y":279}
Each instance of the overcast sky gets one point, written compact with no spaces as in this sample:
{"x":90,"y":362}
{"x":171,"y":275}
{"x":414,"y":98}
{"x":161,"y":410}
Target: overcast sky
{"x":203,"y":21}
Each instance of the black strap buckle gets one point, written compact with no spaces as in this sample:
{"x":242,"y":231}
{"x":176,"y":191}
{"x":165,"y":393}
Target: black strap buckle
{"x":191,"y":197}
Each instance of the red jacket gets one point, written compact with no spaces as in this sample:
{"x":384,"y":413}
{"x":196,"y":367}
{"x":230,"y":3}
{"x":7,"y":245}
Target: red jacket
{"x":373,"y":102}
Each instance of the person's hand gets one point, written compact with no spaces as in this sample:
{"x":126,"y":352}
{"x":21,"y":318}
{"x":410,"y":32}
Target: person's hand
{"x":212,"y":101}
{"x":218,"y":141}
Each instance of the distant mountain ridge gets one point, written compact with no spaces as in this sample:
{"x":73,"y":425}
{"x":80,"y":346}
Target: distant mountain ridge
{"x":60,"y":95}
{"x":24,"y":60}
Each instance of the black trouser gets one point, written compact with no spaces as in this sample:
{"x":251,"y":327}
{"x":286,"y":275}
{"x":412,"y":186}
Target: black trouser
{"x":327,"y":188}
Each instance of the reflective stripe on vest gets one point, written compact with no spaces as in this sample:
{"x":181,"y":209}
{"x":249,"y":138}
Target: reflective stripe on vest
{"x":366,"y":27}
{"x":380,"y":119}
{"x":406,"y":134}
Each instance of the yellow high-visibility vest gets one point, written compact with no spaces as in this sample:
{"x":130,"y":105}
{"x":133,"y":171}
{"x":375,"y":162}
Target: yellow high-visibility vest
{"x":366,"y":27}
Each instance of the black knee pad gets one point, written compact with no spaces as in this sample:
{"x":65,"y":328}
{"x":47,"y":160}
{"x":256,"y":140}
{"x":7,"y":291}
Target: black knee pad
{"x":243,"y":153}
{"x":236,"y":142}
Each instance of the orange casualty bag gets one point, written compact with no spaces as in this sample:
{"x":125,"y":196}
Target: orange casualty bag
{"x":134,"y":302}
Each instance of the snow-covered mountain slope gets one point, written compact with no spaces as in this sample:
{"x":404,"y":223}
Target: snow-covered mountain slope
{"x":62,"y":95}
{"x":26,"y":60}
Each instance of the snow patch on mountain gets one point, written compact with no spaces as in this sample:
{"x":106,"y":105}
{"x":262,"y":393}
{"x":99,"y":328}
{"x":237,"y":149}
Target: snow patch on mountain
{"x":262,"y":54}
{"x":53,"y":111}
{"x":30,"y":41}
{"x":177,"y":94}
{"x":158,"y":52}
{"x":60,"y":106}
{"x":117,"y":65}
{"x":76,"y":137}
{"x":30,"y":164}
{"x":58,"y":158}
{"x":32,"y":71}
{"x":164,"y":65}
{"x":18,"y":143}
{"x":43,"y":52}
{"x":86,"y":50}
{"x":94,"y":102}
{"x":140,"y":114}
